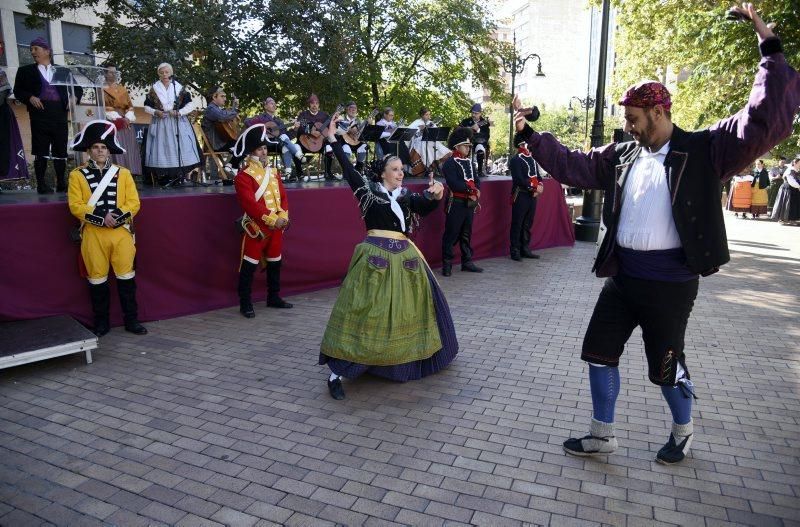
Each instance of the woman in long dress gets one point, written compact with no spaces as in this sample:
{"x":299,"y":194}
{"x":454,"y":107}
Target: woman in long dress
{"x":119,"y":110}
{"x":391,"y":318}
{"x":760,"y":184}
{"x":172,"y":149}
{"x":787,"y":204}
{"x":12,"y":153}
{"x":427,"y":152}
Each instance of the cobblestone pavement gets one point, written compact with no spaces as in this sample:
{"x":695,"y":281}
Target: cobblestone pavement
{"x":214,"y":419}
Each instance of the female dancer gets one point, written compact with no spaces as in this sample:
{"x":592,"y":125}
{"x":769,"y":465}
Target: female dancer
{"x":390,"y":319}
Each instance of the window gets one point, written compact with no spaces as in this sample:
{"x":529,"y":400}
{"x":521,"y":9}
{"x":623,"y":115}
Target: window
{"x":77,"y":43}
{"x":25,"y":35}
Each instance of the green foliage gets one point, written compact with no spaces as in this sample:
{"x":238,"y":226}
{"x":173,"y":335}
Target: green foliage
{"x":404,"y":53}
{"x":657,"y":39}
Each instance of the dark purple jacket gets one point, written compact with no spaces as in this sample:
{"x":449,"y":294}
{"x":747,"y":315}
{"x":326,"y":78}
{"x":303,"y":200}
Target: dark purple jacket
{"x":696,"y":165}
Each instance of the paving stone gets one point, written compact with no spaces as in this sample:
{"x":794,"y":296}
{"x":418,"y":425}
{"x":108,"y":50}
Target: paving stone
{"x":221,"y":424}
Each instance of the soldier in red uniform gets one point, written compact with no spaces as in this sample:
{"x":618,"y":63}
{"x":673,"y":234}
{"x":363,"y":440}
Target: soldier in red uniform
{"x":266,"y":216}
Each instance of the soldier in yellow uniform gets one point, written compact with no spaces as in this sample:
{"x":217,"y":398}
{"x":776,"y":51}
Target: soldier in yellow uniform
{"x":266,"y":216}
{"x":103,"y":197}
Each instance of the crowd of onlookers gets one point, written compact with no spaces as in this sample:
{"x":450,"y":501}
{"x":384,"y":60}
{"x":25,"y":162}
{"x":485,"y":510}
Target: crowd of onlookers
{"x":772,"y":193}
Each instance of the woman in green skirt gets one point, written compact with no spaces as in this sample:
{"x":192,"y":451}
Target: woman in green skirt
{"x":391,"y":318}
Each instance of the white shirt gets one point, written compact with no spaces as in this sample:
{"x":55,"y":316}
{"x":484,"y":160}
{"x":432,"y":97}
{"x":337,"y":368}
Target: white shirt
{"x":646,"y":222}
{"x":47,"y":71}
{"x":166,"y":94}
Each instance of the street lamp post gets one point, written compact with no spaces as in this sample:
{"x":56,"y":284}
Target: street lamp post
{"x":586,"y":104}
{"x":587,"y":226}
{"x":516,"y":66}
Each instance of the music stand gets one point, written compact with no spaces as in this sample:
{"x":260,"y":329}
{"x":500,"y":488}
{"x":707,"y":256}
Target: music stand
{"x":403,"y":135}
{"x":436,"y":135}
{"x":371,"y":133}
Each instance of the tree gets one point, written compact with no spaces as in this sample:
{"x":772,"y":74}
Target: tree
{"x":403,"y":53}
{"x":715,"y":59}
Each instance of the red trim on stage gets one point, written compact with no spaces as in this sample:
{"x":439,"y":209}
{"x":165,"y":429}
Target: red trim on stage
{"x":188,"y":249}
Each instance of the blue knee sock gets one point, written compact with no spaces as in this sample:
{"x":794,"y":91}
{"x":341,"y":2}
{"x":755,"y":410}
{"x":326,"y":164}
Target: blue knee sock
{"x":679,"y":398}
{"x":604,"y":381}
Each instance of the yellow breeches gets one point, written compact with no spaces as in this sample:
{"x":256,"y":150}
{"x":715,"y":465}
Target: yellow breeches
{"x":101,"y":247}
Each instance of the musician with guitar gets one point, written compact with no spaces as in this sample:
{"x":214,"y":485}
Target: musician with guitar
{"x":480,"y":127}
{"x":276,"y":130}
{"x":349,"y":132}
{"x":221,"y":127}
{"x":309,"y":126}
{"x":383,"y":147}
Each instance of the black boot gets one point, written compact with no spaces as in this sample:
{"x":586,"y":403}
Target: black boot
{"x":298,"y":169}
{"x":480,"y":157}
{"x":246,"y":273}
{"x":447,"y":268}
{"x":130,"y":310}
{"x":40,"y":167}
{"x":515,"y":255}
{"x":328,"y":165}
{"x":527,"y":253}
{"x":274,"y":286}
{"x":60,"y":167}
{"x":101,"y":303}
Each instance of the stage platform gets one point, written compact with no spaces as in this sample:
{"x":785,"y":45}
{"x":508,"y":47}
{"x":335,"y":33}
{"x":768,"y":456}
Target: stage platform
{"x":188,"y":248}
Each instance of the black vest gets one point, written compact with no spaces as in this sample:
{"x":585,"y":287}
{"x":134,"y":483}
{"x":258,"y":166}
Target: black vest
{"x":695,"y":191}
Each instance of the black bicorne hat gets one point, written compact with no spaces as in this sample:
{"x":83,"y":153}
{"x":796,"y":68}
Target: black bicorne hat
{"x":250,"y":139}
{"x":98,"y":131}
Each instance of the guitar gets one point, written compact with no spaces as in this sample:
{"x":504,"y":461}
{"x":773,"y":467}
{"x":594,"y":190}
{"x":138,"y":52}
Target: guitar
{"x":352,"y":136}
{"x":479,"y":138}
{"x":273,"y":130}
{"x":313,"y":141}
{"x":229,"y":130}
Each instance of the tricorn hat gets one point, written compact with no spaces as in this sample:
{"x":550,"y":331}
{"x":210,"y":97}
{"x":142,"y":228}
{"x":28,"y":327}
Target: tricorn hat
{"x":461,"y":135}
{"x":250,"y":139}
{"x":98,"y":131}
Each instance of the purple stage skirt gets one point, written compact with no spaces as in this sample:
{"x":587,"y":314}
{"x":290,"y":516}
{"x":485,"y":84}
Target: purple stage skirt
{"x":410,"y":370}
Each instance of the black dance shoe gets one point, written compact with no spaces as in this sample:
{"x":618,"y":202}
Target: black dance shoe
{"x":527,"y":253}
{"x":471,"y":268}
{"x":246,"y":309}
{"x":135,"y":328}
{"x":101,"y":328}
{"x":515,"y":255}
{"x":447,"y":270}
{"x":336,"y":389}
{"x":278,"y":302}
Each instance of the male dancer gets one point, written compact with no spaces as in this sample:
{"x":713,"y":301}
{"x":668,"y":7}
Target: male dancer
{"x":662,"y":229}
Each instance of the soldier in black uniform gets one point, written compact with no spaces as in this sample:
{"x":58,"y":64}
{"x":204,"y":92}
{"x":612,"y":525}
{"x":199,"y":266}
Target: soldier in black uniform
{"x":460,"y":175}
{"x":480,"y":139}
{"x":527,"y":186}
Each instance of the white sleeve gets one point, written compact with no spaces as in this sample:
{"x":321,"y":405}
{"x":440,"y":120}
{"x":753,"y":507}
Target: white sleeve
{"x":112,"y":115}
{"x":130,"y":116}
{"x":149,"y":110}
{"x":793,"y":181}
{"x":186,"y":110}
